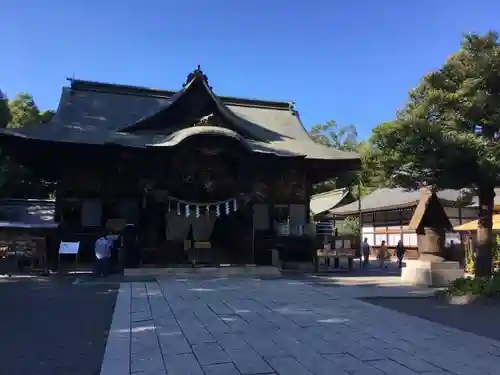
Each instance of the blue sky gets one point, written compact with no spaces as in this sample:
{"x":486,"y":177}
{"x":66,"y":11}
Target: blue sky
{"x":351,"y":61}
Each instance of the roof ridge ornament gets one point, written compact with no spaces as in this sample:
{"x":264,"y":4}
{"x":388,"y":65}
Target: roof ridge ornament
{"x":197,"y":73}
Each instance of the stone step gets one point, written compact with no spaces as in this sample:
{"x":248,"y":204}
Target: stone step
{"x":223,"y":271}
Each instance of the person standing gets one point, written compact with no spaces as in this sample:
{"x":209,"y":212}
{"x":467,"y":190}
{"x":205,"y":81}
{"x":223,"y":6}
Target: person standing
{"x":382,"y":254}
{"x":400,"y":253}
{"x":102,"y":249}
{"x":128,"y":243}
{"x":365,"y":249}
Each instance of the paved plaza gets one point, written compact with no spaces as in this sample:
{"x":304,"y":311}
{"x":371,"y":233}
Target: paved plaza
{"x":51,"y":327}
{"x":283,"y":326}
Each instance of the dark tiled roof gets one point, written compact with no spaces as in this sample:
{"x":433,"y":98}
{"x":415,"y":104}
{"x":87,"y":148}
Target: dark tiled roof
{"x":387,"y":199}
{"x":428,"y":209}
{"x":27,"y":213}
{"x":95,"y":113}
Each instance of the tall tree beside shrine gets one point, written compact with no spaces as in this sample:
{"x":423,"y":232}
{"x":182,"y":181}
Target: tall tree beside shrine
{"x":46,"y":116}
{"x":448,"y":133}
{"x":346,"y":139}
{"x":5,"y":115}
{"x":15,"y":180}
{"x":24,"y":111}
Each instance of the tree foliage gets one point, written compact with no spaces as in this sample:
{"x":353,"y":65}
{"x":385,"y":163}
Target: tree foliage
{"x":46,"y":116}
{"x":346,"y":139}
{"x":23,"y":111}
{"x":350,"y":226}
{"x":447,"y":134}
{"x":5,"y":115}
{"x":15,"y":180}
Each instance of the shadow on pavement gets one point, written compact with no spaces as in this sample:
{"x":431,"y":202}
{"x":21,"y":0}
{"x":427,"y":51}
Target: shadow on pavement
{"x":478,"y":319}
{"x":50,"y":326}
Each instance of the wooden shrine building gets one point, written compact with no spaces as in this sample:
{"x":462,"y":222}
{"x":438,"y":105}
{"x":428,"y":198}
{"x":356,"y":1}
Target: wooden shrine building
{"x":190,"y":169}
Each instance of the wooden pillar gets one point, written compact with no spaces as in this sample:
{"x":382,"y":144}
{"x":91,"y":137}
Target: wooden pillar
{"x":401,"y":224}
{"x":374,"y":230}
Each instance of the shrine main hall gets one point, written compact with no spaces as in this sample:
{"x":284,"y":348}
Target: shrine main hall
{"x":202,"y":177}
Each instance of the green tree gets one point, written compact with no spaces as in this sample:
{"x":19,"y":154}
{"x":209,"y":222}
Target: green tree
{"x":341,"y":138}
{"x":23,"y":110}
{"x":350,"y":226}
{"x":46,"y":116}
{"x":15,"y":180}
{"x":345,"y":138}
{"x":447,"y":134}
{"x":5,"y":115}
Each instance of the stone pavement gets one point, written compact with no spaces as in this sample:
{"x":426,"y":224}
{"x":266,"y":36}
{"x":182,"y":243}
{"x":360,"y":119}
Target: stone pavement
{"x":51,"y":327}
{"x":250,"y":326}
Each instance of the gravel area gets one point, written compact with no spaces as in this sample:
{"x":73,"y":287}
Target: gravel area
{"x":478,"y":319}
{"x":54,"y":327}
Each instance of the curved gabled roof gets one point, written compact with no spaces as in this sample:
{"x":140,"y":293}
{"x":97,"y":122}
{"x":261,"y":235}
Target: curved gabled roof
{"x":183,"y":134}
{"x":97,"y":113}
{"x":323,"y":202}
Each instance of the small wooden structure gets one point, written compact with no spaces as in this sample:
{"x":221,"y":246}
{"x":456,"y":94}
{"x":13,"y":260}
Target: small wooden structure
{"x":431,"y":223}
{"x":27,"y":230}
{"x":335,"y":249}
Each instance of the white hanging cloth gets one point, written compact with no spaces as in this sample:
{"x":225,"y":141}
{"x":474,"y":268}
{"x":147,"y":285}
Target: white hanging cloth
{"x":202,"y":227}
{"x":187,"y":210}
{"x":235,"y":205}
{"x":227,"y":207}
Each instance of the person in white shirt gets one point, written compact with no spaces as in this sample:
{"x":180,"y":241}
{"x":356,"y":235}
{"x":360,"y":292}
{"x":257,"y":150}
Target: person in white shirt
{"x":102,"y":249}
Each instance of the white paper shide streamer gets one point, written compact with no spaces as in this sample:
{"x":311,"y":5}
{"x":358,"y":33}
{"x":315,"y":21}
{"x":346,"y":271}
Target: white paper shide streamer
{"x":230,"y":205}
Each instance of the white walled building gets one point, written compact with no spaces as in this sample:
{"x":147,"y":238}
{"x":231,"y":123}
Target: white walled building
{"x":387,"y":212}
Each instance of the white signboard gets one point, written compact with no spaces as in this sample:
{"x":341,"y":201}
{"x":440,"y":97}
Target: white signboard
{"x":69,"y":248}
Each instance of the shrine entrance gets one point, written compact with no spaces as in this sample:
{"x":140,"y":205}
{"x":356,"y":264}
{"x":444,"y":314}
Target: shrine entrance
{"x":201,"y":213}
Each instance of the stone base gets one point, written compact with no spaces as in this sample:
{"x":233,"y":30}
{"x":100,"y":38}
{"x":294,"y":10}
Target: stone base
{"x":299,"y":266}
{"x":223,"y":271}
{"x":429,"y":273}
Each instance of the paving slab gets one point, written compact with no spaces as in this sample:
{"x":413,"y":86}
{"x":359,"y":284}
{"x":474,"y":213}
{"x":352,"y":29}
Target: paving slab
{"x":287,"y":326}
{"x":51,"y":326}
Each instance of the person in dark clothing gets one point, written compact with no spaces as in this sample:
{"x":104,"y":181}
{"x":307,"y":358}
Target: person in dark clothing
{"x":365,"y":250}
{"x":114,"y":260}
{"x":400,"y":253}
{"x":128,"y":247}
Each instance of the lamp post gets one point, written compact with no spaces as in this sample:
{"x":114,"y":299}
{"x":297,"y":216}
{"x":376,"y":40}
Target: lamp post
{"x":360,"y":222}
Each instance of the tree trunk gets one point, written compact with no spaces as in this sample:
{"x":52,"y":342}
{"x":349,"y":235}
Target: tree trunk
{"x":484,"y":243}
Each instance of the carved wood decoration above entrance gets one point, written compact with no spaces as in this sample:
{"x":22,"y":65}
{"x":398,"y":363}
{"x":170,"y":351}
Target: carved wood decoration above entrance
{"x":206,"y":173}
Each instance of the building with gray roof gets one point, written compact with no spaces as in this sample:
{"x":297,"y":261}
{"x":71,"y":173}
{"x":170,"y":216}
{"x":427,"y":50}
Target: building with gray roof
{"x":386,"y":213}
{"x":191,"y":166}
